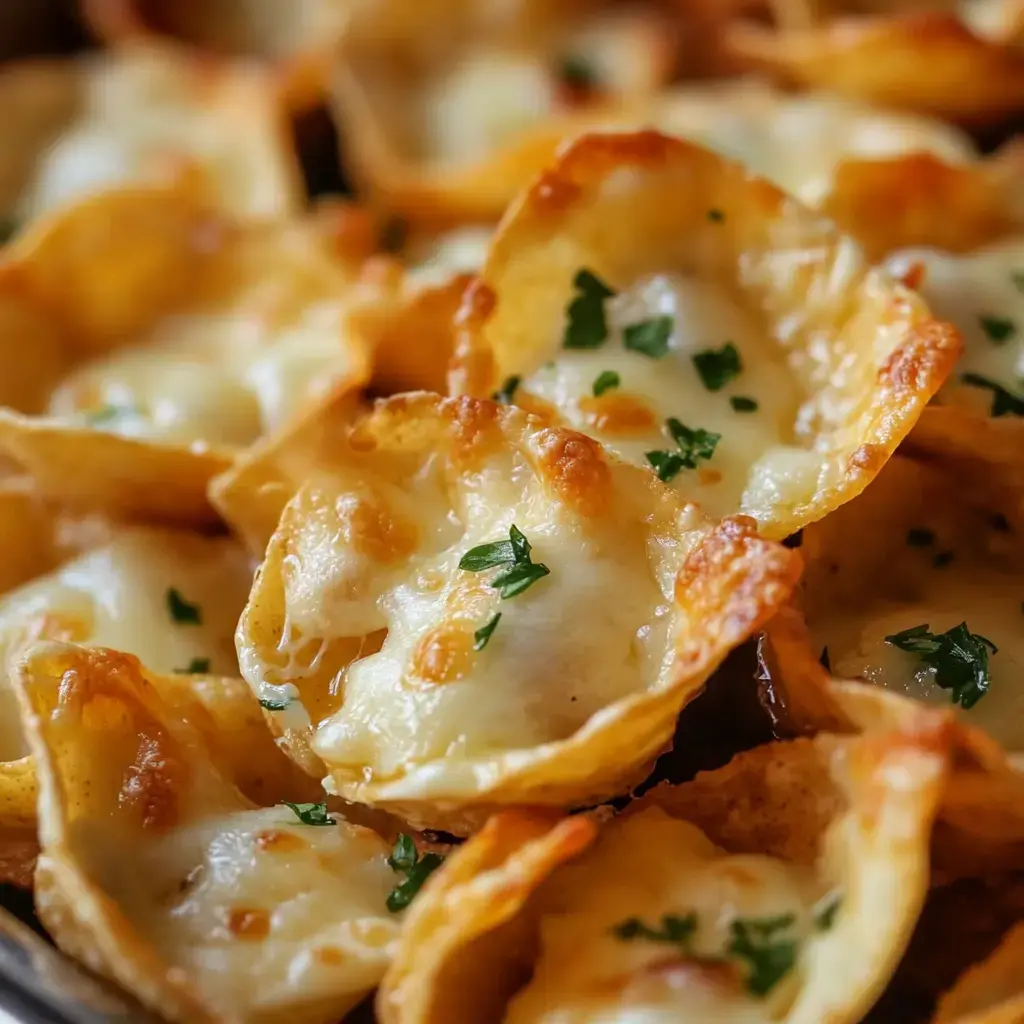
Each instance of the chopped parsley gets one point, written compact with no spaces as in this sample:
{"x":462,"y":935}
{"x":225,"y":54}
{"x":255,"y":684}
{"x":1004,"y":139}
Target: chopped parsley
{"x":997,"y":328}
{"x":1004,"y":403}
{"x":8,"y":228}
{"x":740,"y":403}
{"x":311,"y":814}
{"x":275,"y":705}
{"x":768,"y":956}
{"x":1017,"y":277}
{"x":825,"y":910}
{"x":181,"y":611}
{"x":197,"y":666}
{"x":959,"y":657}
{"x":716,"y":215}
{"x":649,"y":337}
{"x":577,"y":72}
{"x":587,"y":326}
{"x":718,"y":366}
{"x":406,"y":860}
{"x":919,"y":537}
{"x":692,"y":446}
{"x":105,"y":414}
{"x":483,"y":634}
{"x":506,"y":392}
{"x":605,"y":381}
{"x":519,"y":571}
{"x":675,"y":930}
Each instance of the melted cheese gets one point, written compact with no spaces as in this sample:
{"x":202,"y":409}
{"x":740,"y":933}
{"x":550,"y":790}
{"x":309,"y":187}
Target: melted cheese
{"x":221,"y":378}
{"x":988,"y":600}
{"x":966,"y":290}
{"x":262,"y":912}
{"x":645,"y":867}
{"x":461,"y":251}
{"x":560,"y":653}
{"x":756,"y":450}
{"x":117,"y":596}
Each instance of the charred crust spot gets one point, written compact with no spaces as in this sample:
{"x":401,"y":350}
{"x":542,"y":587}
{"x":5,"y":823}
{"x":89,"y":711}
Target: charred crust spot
{"x":914,"y":276}
{"x":475,"y":428}
{"x":249,"y":923}
{"x":576,"y":469}
{"x":330,"y":956}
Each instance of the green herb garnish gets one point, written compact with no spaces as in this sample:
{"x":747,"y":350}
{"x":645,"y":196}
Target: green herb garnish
{"x":674,"y":930}
{"x":959,"y":657}
{"x":311,"y":814}
{"x":692,"y":446}
{"x":997,"y":328}
{"x":757,"y":943}
{"x":825,"y":910}
{"x":181,"y":611}
{"x":605,"y":381}
{"x":197,"y":666}
{"x":520,"y":571}
{"x":274,"y":705}
{"x":740,"y":403}
{"x":1004,"y":403}
{"x":718,"y":366}
{"x":1017,"y":277}
{"x":649,"y":337}
{"x":483,"y":634}
{"x":587,"y":326}
{"x":406,"y":860}
{"x":577,"y":72}
{"x":505,"y":393}
{"x":8,"y":229}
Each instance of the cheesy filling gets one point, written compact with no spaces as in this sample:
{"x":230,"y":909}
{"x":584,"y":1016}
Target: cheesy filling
{"x":757,"y":460}
{"x":982,"y":295}
{"x":593,"y":967}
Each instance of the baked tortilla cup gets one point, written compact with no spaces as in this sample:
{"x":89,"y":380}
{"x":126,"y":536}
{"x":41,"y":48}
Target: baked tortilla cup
{"x":391,"y":669}
{"x":926,"y":61}
{"x":922,"y":553}
{"x":158,"y":873}
{"x":145,"y":340}
{"x":816,"y":834}
{"x":141,"y":115}
{"x":809,"y":366}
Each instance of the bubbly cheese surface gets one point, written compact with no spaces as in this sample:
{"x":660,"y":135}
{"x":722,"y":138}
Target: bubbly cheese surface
{"x":631,"y":418}
{"x":988,"y":600}
{"x":982,"y":295}
{"x":647,"y":867}
{"x":117,"y":596}
{"x":263,"y":912}
{"x":220,"y":378}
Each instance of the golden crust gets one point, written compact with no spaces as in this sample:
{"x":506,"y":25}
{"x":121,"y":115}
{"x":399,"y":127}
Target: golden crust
{"x":619,"y":205}
{"x":827,"y":806}
{"x":990,"y":992}
{"x":927,"y":61}
{"x":116,"y":270}
{"x":728,"y":585}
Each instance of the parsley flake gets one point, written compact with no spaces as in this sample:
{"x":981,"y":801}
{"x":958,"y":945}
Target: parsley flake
{"x":181,"y":611}
{"x":577,"y":72}
{"x":406,"y":860}
{"x":718,"y":366}
{"x":605,"y":381}
{"x":587,"y":326}
{"x":997,"y":328}
{"x":505,"y":393}
{"x":692,"y":444}
{"x":274,"y":705}
{"x":311,"y":814}
{"x":106,"y":414}
{"x":483,"y":634}
{"x":8,"y":228}
{"x":197,"y":666}
{"x":959,"y":657}
{"x":649,"y":337}
{"x":519,"y":571}
{"x":1004,"y":403}
{"x":825,"y":910}
{"x":769,"y":957}
{"x":740,"y":403}
{"x":675,"y":930}
{"x":1017,"y":277}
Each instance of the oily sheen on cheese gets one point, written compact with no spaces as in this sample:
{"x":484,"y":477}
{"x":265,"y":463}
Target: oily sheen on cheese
{"x":756,"y":453}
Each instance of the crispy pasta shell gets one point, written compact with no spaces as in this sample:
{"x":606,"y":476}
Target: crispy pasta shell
{"x":840,"y":823}
{"x":155,"y":871}
{"x":927,"y":61}
{"x":990,"y":992}
{"x":165,"y":340}
{"x":845,"y":359}
{"x":145,"y":114}
{"x":931,"y":553}
{"x":362,"y":625}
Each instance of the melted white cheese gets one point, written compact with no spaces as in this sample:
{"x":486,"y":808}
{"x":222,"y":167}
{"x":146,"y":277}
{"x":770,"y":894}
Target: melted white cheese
{"x":117,"y":596}
{"x":966,"y":290}
{"x":222,"y":378}
{"x":989,"y":601}
{"x":753,"y":445}
{"x":263,"y":913}
{"x":461,"y":251}
{"x":645,"y":867}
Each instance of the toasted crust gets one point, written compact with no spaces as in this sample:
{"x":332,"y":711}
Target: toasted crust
{"x":926,"y":61}
{"x":621,"y":204}
{"x":990,"y":992}
{"x":730,"y":583}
